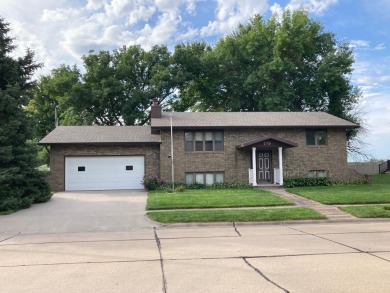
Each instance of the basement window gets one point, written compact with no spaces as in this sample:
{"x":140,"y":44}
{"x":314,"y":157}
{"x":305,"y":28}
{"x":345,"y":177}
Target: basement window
{"x":129,"y":168}
{"x":317,"y":174}
{"x":207,"y":178}
{"x":81,"y":168}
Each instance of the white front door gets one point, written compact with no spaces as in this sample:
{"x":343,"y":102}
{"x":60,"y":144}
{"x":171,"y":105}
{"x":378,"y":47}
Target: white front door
{"x":104,"y":172}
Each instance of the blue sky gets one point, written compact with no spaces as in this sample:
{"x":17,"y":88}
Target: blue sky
{"x":61,"y":31}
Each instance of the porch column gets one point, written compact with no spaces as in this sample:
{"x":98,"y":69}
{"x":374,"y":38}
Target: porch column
{"x":280,"y":166}
{"x":254,"y":182}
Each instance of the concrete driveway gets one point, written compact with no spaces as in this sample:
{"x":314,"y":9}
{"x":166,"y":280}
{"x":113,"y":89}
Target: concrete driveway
{"x":81,"y":212}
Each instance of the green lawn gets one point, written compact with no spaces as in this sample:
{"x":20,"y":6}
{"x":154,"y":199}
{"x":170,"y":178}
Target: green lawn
{"x":213,"y":198}
{"x":375,"y":193}
{"x":253,"y":215}
{"x":371,"y":211}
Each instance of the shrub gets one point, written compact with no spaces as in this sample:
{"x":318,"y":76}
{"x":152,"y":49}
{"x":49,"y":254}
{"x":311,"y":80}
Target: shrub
{"x":180,"y":188}
{"x":304,"y":182}
{"x":225,"y":185}
{"x":152,"y":182}
{"x":236,"y":185}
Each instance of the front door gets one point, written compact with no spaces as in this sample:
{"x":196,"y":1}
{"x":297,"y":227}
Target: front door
{"x":264,"y":167}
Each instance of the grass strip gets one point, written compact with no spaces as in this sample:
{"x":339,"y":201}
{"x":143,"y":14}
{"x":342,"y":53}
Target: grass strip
{"x":213,"y":198}
{"x":349,"y":194}
{"x":375,"y":193}
{"x":252,"y":215}
{"x":373,"y":211}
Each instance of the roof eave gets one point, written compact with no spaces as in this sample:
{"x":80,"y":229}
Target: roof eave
{"x":255,"y":126}
{"x":99,"y":143}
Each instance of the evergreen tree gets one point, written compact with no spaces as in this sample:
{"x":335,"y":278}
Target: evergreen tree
{"x":21,"y":184}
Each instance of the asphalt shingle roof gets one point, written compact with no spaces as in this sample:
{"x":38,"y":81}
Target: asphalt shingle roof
{"x":100,"y":134}
{"x":142,"y":134}
{"x":250,"y":119}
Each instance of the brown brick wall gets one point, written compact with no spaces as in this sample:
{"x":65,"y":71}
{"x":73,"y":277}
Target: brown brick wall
{"x":235,"y":163}
{"x":58,"y":154}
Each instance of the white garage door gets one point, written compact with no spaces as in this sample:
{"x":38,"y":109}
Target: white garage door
{"x":104,"y":173}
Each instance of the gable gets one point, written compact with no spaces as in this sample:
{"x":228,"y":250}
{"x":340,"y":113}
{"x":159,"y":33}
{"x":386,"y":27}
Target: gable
{"x":267,"y":142}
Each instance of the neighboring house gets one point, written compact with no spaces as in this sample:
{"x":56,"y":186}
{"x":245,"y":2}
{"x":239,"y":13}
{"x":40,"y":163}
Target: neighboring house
{"x":256,"y":147}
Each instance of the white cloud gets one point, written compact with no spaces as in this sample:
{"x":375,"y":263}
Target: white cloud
{"x":141,"y":13}
{"x":161,"y":33}
{"x":277,"y":9}
{"x":359,"y":44}
{"x":95,"y":4}
{"x":380,"y":46}
{"x":313,"y":6}
{"x":168,"y":5}
{"x":230,"y":13}
{"x":191,"y":7}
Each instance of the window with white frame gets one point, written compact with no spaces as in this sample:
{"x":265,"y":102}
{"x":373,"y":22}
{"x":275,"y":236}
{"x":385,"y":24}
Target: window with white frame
{"x":316,"y":137}
{"x":207,"y":178}
{"x":203,"y":141}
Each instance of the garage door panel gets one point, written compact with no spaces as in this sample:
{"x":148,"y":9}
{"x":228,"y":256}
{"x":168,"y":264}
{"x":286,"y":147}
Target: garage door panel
{"x":104,"y":173}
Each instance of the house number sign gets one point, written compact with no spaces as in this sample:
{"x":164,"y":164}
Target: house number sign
{"x":267,"y":143}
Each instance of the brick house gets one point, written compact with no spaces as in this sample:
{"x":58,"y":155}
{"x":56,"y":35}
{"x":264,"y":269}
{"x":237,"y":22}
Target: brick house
{"x":256,"y":147}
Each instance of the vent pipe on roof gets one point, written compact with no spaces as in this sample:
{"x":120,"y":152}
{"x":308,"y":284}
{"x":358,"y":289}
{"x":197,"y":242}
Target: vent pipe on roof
{"x":155,"y":111}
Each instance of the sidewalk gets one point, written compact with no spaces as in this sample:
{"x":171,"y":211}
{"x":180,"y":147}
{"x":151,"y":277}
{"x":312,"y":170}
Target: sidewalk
{"x":331,"y":212}
{"x":321,"y":257}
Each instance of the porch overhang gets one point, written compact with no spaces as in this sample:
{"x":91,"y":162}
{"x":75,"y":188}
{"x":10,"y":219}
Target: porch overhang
{"x":268,"y":142}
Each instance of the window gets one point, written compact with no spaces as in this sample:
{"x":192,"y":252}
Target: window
{"x":316,"y":137}
{"x":205,"y":178}
{"x":129,"y":168}
{"x":81,"y":168}
{"x":317,"y":174}
{"x":203,"y":141}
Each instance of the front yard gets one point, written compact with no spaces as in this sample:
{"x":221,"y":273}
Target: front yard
{"x":376,"y":193}
{"x":369,"y":211}
{"x":368,"y":201}
{"x":220,"y":199}
{"x":213,"y":198}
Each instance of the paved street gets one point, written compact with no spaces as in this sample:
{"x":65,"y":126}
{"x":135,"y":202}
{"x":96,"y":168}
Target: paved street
{"x":312,"y":257}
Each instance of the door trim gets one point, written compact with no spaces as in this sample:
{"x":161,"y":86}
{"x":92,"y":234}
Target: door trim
{"x":264,"y":158}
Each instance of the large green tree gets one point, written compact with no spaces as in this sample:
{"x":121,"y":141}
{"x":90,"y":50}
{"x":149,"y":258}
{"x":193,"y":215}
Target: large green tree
{"x":280,"y":64}
{"x":116,"y":88}
{"x":20,"y":182}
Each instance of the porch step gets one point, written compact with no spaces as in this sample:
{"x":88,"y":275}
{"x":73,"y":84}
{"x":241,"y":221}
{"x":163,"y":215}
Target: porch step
{"x":268,"y":186}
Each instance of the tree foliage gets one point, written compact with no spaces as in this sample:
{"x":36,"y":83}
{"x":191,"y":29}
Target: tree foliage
{"x":287,"y":64}
{"x":20,"y":182}
{"x":115,"y":89}
{"x":284,"y":63}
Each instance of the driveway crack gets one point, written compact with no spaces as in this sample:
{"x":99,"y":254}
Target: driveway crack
{"x":164,"y":280}
{"x":235,"y":228}
{"x":264,"y":276}
{"x":339,"y":243}
{"x":10,"y":237}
